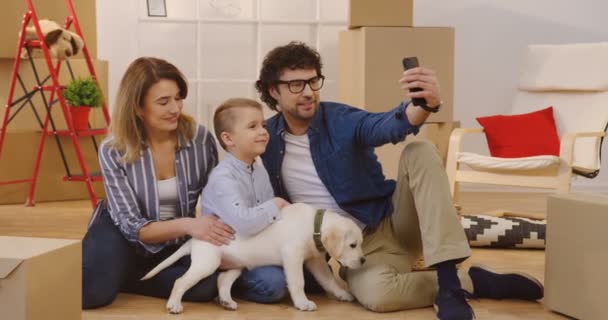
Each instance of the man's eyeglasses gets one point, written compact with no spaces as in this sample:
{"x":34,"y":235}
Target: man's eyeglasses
{"x":298,"y":85}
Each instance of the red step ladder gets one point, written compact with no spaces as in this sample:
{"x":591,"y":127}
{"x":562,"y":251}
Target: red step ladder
{"x":55,"y":95}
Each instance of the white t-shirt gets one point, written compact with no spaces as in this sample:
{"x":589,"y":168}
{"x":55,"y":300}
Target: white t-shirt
{"x":167,"y":198}
{"x":302,"y":180}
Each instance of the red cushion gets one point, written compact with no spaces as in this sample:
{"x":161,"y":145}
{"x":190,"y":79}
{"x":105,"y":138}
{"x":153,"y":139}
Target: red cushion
{"x":521,"y":135}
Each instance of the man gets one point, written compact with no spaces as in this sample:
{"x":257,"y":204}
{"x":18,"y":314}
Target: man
{"x":322,"y":153}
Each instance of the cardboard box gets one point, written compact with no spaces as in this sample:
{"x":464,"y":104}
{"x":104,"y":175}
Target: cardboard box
{"x":370,"y":65}
{"x":575,"y":253}
{"x":25,"y":119}
{"x":17,"y":162}
{"x":436,"y":133}
{"x":40,"y":279}
{"x":13,"y":11}
{"x":380,"y":13}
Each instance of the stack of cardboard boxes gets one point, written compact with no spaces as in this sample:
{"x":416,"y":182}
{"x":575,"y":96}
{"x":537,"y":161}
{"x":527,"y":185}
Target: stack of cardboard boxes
{"x":380,"y":35}
{"x":23,"y":132}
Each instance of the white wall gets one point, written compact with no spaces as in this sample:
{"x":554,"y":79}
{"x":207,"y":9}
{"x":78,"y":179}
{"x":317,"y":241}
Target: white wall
{"x":116,"y":36}
{"x":220,"y":44}
{"x":490,"y":38}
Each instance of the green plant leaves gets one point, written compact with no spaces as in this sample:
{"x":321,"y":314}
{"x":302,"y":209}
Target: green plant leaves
{"x":83,"y":92}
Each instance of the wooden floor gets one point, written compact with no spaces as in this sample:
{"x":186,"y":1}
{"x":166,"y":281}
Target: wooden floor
{"x":69,"y":220}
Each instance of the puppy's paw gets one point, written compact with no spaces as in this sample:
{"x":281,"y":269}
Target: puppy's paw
{"x":344,"y":295}
{"x":174,"y":306}
{"x":306,"y":305}
{"x":228,"y":304}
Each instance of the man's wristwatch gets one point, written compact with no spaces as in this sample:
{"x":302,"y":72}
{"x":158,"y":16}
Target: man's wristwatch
{"x":430,"y":109}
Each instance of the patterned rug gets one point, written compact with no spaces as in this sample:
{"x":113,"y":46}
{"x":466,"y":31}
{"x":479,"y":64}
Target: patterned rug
{"x":504,"y":232}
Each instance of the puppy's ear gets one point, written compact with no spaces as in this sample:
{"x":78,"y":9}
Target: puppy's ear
{"x":333,"y":240}
{"x":76,"y":42}
{"x":74,"y":46}
{"x":52,"y":37}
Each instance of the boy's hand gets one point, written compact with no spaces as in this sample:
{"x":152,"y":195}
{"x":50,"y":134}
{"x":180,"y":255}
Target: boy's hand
{"x":210,"y":229}
{"x":280,"y":202}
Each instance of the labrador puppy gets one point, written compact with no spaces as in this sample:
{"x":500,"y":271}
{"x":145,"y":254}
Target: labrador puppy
{"x":287,"y":242}
{"x":62,"y":43}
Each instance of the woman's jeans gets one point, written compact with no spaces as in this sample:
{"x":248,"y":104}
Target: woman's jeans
{"x":111,"y":265}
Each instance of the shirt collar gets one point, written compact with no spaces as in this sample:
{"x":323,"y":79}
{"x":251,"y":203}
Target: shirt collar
{"x":238,"y":164}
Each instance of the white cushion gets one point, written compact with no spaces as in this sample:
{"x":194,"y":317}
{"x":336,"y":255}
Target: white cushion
{"x":487,"y":163}
{"x":574,"y":111}
{"x":579,"y":66}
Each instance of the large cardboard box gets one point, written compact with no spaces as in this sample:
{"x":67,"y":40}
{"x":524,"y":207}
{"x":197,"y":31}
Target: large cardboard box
{"x":13,"y":11}
{"x":370,"y":65}
{"x":40,"y":279}
{"x":17,"y":162}
{"x":380,"y":13}
{"x":437,"y":134}
{"x":575,"y":253}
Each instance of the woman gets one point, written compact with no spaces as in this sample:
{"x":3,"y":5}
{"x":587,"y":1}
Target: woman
{"x":154,"y":166}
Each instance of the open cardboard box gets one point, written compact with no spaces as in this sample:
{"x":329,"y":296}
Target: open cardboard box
{"x":40,"y":278}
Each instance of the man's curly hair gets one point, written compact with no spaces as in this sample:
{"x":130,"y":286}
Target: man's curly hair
{"x":295,"y":55}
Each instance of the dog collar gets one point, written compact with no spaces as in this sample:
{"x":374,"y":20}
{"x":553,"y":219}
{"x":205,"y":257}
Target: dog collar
{"x":316,"y":236}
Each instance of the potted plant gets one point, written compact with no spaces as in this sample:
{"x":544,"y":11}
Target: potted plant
{"x":82,"y":95}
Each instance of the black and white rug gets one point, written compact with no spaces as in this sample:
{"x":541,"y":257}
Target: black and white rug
{"x":504,"y":232}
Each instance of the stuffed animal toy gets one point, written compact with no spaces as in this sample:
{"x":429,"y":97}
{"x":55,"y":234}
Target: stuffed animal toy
{"x":62,"y":43}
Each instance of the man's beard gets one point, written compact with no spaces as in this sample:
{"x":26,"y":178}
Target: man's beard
{"x":304,"y":116}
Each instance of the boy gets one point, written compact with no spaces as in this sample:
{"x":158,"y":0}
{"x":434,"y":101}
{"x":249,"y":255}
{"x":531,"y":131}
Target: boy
{"x":239,"y":190}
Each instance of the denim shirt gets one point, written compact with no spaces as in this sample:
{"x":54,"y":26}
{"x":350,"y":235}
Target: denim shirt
{"x":342,"y":141}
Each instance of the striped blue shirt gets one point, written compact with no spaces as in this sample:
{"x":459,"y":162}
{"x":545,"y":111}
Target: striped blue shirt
{"x":131,"y":189}
{"x":241,"y":195}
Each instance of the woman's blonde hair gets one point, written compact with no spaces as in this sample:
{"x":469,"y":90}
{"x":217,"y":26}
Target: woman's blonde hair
{"x":127,"y":127}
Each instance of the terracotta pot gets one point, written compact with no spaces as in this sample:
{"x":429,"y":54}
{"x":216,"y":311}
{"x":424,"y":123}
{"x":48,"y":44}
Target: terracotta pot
{"x":80,"y":117}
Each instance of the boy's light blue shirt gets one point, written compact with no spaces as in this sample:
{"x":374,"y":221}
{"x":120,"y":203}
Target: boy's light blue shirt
{"x":241,"y":196}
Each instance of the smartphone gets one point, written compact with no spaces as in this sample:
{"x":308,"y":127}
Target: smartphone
{"x":409,"y":63}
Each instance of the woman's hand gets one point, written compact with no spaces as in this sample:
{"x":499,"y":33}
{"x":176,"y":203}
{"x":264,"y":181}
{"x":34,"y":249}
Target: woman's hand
{"x":210,"y":229}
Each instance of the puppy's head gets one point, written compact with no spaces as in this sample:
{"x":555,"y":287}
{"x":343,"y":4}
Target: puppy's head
{"x":342,"y":239}
{"x":62,"y":43}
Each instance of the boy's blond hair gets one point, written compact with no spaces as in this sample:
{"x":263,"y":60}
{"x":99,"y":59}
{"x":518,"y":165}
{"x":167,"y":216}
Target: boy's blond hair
{"x":225,"y":115}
